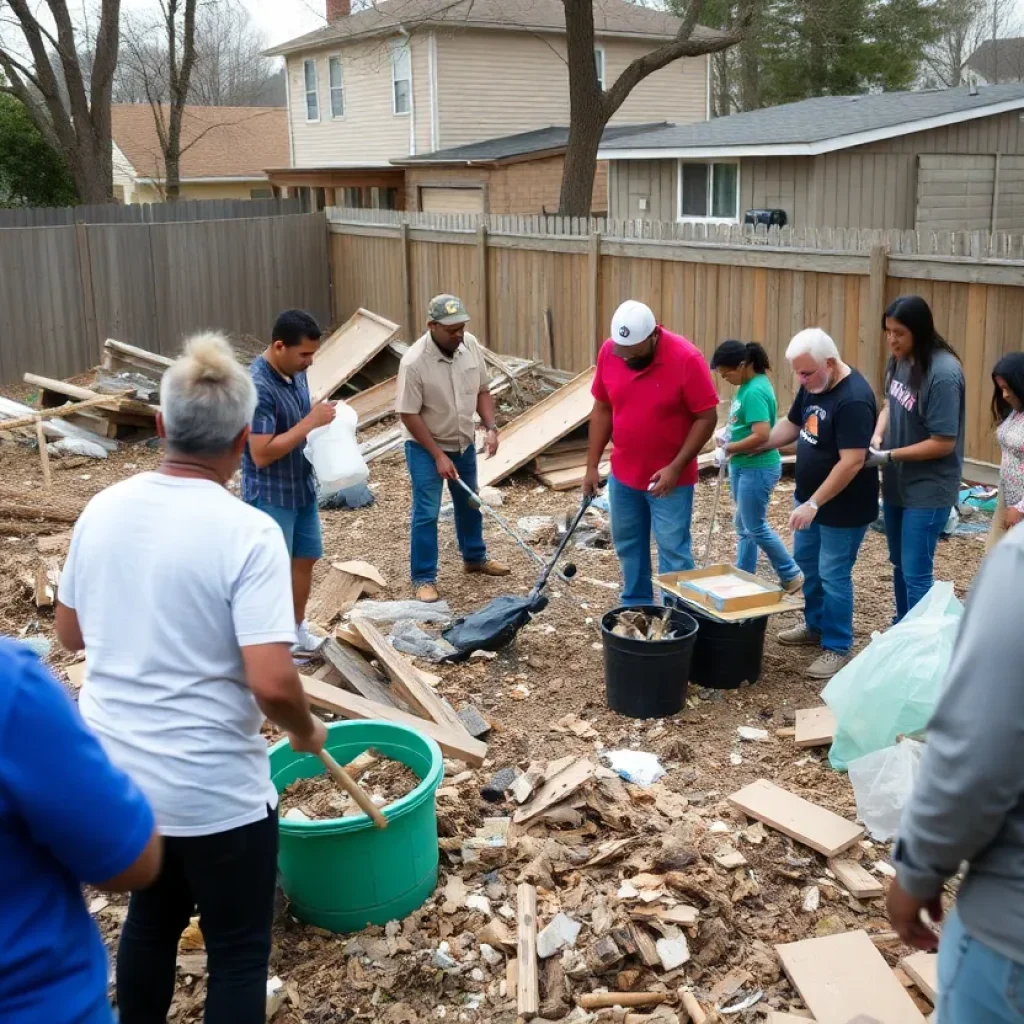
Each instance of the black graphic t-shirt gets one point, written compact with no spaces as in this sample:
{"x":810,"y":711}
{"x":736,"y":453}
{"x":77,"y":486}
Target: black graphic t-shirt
{"x":843,"y":417}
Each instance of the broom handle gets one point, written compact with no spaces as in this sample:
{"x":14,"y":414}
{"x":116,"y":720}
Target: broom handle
{"x":354,"y":790}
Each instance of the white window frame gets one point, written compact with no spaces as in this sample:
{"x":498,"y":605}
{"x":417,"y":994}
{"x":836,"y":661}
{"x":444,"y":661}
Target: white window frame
{"x":710,"y":164}
{"x":332,"y":61}
{"x":314,"y":92}
{"x":400,"y":48}
{"x":600,"y":66}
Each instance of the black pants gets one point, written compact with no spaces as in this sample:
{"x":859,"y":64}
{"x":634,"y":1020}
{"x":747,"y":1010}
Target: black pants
{"x":231,"y":877}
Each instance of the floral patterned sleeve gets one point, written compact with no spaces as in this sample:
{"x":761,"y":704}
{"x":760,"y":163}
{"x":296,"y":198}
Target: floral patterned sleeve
{"x":1011,"y":472}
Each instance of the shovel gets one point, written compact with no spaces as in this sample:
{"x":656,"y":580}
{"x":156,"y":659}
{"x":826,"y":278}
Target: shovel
{"x":354,"y":790}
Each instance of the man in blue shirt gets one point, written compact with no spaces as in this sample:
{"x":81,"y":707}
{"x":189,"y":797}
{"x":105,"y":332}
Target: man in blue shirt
{"x":277,"y":478}
{"x":68,"y":817}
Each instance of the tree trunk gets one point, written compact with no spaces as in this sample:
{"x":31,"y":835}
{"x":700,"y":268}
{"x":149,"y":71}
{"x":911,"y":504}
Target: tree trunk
{"x":721,"y":90}
{"x":581,"y":165}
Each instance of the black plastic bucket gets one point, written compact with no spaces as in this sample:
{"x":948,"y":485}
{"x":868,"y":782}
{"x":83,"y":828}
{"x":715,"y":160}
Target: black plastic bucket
{"x":727,"y":654}
{"x":648,"y":678}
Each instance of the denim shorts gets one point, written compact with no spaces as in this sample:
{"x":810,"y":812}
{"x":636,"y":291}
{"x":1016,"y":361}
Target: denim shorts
{"x":300,"y":526}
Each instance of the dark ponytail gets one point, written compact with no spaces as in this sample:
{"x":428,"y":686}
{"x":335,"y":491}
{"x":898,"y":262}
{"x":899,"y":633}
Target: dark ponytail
{"x":733,"y":354}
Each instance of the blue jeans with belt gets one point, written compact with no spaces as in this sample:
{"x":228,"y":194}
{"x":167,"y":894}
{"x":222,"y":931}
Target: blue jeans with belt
{"x":427,"y":486}
{"x":912,"y":535}
{"x":977,"y":985}
{"x":751,"y":491}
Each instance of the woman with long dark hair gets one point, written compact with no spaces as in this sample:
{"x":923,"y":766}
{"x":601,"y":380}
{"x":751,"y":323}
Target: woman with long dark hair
{"x":1008,"y":413}
{"x":919,"y":443}
{"x":753,"y":474}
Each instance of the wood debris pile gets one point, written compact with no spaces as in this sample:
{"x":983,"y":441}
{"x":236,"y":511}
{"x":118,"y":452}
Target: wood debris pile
{"x":637,"y":625}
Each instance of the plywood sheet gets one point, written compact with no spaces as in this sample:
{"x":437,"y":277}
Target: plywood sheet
{"x":841,"y":976}
{"x":797,"y":818}
{"x":539,"y":428}
{"x":374,"y":404}
{"x":458,"y":745}
{"x":815,"y":727}
{"x":347,"y":351}
{"x":923,"y":969}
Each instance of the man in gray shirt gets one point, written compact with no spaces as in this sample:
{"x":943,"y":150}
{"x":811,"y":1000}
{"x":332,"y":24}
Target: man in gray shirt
{"x":968,"y":806}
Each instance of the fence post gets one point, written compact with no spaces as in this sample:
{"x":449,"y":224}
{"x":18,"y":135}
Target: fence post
{"x":594,"y":290}
{"x":410,"y":320}
{"x":879,"y":275}
{"x":88,"y":290}
{"x":483,"y":291}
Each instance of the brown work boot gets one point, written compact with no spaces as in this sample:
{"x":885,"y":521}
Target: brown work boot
{"x":488,"y":568}
{"x":427,"y":593}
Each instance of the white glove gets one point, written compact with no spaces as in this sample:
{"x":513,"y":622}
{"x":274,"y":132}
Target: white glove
{"x":722,"y":437}
{"x":877,"y":458}
{"x":720,"y":457}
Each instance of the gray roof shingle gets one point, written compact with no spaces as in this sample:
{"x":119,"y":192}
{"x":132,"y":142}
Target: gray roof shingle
{"x":508,"y":147}
{"x":816,"y":120}
{"x":611,"y":17}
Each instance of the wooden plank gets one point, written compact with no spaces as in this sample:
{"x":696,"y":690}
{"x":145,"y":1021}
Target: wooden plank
{"x":546,"y":463}
{"x":76,"y":674}
{"x":797,"y":818}
{"x":841,"y":976}
{"x":358,"y":673}
{"x":528,"y":981}
{"x":923,"y":969}
{"x":538,"y":428}
{"x":556,"y":789}
{"x":44,"y":455}
{"x":861,"y":884}
{"x":362,"y":337}
{"x":815,"y":727}
{"x":118,"y":356}
{"x":567,"y":479}
{"x":407,"y":681}
{"x":376,"y":403}
{"x":349,"y":705}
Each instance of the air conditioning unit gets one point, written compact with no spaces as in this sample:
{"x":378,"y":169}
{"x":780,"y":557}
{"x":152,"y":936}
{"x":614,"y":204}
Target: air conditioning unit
{"x":772,"y":218}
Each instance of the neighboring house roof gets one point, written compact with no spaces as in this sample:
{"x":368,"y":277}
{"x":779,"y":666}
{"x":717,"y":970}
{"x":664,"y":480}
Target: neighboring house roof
{"x":217,"y":142}
{"x":611,"y":18}
{"x":524,"y":145}
{"x":999,"y":60}
{"x":820,"y":125}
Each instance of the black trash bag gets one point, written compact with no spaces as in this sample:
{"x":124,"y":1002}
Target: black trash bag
{"x":493,"y":626}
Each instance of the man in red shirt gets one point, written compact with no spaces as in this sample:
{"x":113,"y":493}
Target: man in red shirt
{"x":655,"y":399}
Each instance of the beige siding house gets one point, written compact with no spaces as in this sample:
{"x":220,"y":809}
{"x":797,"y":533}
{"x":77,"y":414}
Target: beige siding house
{"x":931,"y":161}
{"x":407,"y":78}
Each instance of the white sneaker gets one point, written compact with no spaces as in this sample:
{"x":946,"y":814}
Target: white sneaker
{"x":306,"y":642}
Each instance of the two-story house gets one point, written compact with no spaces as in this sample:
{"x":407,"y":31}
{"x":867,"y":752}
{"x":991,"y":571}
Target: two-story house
{"x":386,"y":104}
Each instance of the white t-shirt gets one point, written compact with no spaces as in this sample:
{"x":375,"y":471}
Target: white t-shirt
{"x":170,"y":577}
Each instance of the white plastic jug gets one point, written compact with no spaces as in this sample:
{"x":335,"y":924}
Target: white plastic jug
{"x":335,"y":454}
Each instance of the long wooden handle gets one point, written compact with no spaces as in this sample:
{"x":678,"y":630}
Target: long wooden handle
{"x":354,"y":790}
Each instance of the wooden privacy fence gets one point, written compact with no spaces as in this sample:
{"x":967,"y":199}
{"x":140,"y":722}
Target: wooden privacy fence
{"x":708,"y":290}
{"x":65,"y":289}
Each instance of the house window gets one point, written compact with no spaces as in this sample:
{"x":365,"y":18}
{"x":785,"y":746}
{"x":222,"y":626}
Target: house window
{"x":599,"y":65}
{"x":353,"y":197}
{"x":312,"y":96}
{"x":261,"y":193}
{"x":337,"y":87}
{"x":709,"y":191}
{"x":401,"y":77}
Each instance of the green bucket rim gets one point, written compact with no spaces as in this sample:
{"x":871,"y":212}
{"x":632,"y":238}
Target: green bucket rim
{"x":361,"y":822}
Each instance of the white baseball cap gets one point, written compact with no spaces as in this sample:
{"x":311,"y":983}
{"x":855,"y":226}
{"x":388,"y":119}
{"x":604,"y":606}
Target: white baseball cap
{"x":632,"y":324}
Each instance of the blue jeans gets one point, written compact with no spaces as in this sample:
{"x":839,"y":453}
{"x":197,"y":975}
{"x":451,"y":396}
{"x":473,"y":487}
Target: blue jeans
{"x":426,"y":507}
{"x":300,"y":526}
{"x":977,"y":985}
{"x":826,"y":555}
{"x":912,"y":534}
{"x":633,"y":513}
{"x":751,"y":491}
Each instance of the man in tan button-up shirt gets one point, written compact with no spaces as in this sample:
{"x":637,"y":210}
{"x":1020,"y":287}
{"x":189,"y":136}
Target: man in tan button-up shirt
{"x":442,"y":382}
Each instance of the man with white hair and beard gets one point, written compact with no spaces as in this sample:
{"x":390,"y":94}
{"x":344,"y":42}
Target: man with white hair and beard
{"x":181,"y":597}
{"x":832,"y":420}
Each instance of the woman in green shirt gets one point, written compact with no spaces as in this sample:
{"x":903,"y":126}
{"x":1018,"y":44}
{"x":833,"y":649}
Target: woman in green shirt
{"x":753,"y":474}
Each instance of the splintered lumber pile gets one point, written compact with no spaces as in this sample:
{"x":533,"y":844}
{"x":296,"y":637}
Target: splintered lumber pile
{"x":344,"y":584}
{"x":362,"y":337}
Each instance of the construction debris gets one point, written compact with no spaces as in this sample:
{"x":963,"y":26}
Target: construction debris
{"x":637,"y":625}
{"x":338,"y":592}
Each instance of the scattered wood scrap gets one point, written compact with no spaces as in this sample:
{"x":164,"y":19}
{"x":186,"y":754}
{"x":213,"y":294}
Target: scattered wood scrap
{"x":861,"y":884}
{"x":338,"y":592}
{"x":558,"y":787}
{"x":376,"y":403}
{"x":797,"y":818}
{"x":57,"y":428}
{"x":815,"y":727}
{"x":359,"y":674}
{"x":841,"y":976}
{"x":363,"y":336}
{"x":569,"y":479}
{"x":118,"y":357}
{"x":923,"y":970}
{"x":539,"y":427}
{"x":528,"y":981}
{"x":47,"y":579}
{"x":454,"y":744}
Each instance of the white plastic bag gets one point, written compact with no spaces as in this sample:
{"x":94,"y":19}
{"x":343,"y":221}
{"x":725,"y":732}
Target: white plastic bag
{"x":891,"y":687}
{"x":882,"y":783}
{"x":334,"y":453}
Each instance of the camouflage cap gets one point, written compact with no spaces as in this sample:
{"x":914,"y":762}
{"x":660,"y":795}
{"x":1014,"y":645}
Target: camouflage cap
{"x":447,"y":310}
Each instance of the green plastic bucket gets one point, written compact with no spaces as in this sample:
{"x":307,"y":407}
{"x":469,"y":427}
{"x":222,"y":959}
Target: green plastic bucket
{"x":345,"y":873}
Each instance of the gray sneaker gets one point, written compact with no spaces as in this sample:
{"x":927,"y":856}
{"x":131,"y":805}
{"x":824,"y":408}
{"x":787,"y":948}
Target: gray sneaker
{"x":827,"y":665}
{"x":799,"y":636}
